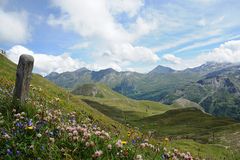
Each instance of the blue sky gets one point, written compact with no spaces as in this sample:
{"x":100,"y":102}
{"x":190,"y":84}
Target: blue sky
{"x":134,"y":35}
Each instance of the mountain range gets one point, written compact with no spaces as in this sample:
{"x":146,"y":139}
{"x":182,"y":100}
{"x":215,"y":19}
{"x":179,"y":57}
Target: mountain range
{"x":214,"y":86}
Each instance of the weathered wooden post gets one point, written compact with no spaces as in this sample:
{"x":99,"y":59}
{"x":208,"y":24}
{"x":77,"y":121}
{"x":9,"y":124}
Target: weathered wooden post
{"x":23,"y":77}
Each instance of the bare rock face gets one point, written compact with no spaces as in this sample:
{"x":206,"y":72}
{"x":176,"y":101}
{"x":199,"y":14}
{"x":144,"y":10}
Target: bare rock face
{"x":23,"y":77}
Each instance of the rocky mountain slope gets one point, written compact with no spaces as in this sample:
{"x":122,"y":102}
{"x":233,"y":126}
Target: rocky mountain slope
{"x":214,"y":86}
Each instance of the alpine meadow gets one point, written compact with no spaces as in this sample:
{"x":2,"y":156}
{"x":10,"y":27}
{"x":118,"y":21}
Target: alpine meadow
{"x":119,"y":80}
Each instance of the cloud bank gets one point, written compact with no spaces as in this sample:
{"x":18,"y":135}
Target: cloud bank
{"x":226,"y":52}
{"x":45,"y":63}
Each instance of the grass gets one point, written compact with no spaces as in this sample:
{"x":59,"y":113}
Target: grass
{"x":213,"y":152}
{"x":122,"y":108}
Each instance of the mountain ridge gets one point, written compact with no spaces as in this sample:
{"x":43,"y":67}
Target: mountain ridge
{"x":204,"y":85}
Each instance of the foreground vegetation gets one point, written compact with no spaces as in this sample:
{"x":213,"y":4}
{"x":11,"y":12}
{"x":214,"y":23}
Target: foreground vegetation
{"x":47,"y":133}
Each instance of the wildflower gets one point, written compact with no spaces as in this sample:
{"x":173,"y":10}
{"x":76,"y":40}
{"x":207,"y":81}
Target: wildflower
{"x":119,"y":144}
{"x":124,"y":142}
{"x":97,"y":133}
{"x":9,"y":152}
{"x":52,"y":140}
{"x":97,"y":154}
{"x":165,"y":149}
{"x":109,"y":147}
{"x":129,"y":133}
{"x":174,"y":157}
{"x":166,"y":139}
{"x":139,"y":157}
{"x":75,"y":132}
{"x":6,"y":136}
{"x":87,"y":144}
{"x":143,"y":145}
{"x":157,"y":149}
{"x":32,"y":146}
{"x":39,"y":135}
{"x":75,"y":138}
{"x":29,"y":127}
{"x":18,"y":153}
{"x":70,"y":134}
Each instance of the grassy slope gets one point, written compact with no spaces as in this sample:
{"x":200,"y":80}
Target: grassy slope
{"x":7,"y":71}
{"x":194,"y":124}
{"x":122,"y":108}
{"x":68,"y":101}
{"x":176,"y":121}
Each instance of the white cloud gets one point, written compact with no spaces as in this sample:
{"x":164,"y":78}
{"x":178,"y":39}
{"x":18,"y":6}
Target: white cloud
{"x":89,"y":19}
{"x":127,"y":52}
{"x":45,"y":63}
{"x":96,"y":22}
{"x":226,"y":52}
{"x":80,"y":46}
{"x":14,"y":27}
{"x":200,"y":44}
{"x":172,"y":58}
{"x":143,"y":26}
{"x":130,"y":7}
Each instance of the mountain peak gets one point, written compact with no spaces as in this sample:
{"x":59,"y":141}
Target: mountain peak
{"x":107,"y":71}
{"x":210,"y":66}
{"x":82,"y":69}
{"x":161,"y":69}
{"x":53,"y":74}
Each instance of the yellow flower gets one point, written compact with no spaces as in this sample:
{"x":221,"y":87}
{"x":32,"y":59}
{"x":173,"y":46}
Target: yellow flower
{"x":129,"y":133}
{"x":29,"y":127}
{"x":124,"y":142}
{"x":166,"y":139}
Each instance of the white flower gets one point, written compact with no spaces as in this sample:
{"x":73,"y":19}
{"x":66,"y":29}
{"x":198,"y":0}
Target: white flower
{"x":39,"y":135}
{"x":109,"y":146}
{"x":139,"y":157}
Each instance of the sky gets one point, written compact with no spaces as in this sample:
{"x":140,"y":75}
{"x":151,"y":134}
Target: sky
{"x":126,"y":35}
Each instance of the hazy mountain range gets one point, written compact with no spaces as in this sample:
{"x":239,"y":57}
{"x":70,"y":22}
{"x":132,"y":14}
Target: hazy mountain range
{"x":214,"y":86}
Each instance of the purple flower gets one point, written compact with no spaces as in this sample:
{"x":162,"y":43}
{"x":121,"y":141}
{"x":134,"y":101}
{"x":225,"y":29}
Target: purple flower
{"x":133,"y":141}
{"x":9,"y":152}
{"x":30,"y":122}
{"x":18,"y":153}
{"x":19,"y":124}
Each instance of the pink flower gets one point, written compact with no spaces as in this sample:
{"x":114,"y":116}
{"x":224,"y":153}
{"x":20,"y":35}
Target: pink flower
{"x":119,"y":144}
{"x":75,"y":132}
{"x":97,"y":154}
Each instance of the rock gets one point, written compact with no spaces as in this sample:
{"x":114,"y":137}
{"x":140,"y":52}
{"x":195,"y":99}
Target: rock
{"x":23,"y":77}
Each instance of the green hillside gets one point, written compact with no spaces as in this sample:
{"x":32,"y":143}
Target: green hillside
{"x":187,"y":122}
{"x":119,"y":107}
{"x":182,"y":119}
{"x":50,"y":91}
